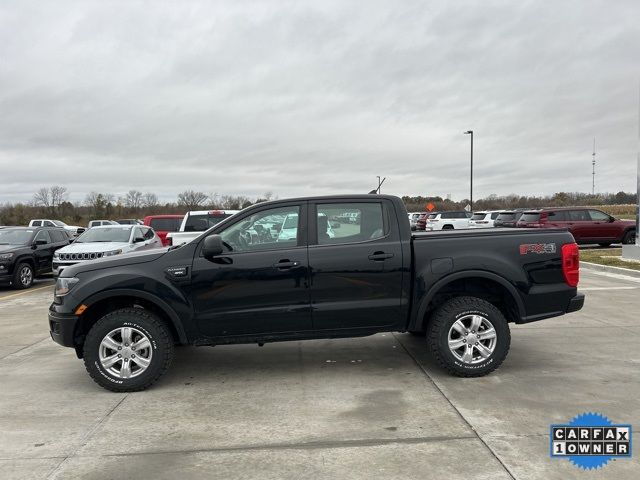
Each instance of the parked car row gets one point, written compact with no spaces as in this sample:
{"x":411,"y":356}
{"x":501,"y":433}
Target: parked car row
{"x":29,"y":252}
{"x":587,"y":225}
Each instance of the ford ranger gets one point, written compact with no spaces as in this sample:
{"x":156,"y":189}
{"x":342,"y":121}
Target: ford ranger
{"x":249,"y":280}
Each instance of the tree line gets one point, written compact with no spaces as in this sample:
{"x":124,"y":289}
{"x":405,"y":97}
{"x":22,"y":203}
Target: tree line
{"x":496,"y":202}
{"x":53,"y":202}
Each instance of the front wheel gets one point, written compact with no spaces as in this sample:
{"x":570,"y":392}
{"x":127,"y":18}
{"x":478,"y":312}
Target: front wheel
{"x":468,"y":337}
{"x":127,"y":350}
{"x":23,"y":276}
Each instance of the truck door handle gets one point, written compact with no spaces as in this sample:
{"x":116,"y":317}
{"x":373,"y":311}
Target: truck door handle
{"x":380,"y":256}
{"x":285,"y":264}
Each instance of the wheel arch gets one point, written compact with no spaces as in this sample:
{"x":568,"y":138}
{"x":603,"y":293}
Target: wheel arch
{"x":482,"y":284}
{"x":101,"y":303}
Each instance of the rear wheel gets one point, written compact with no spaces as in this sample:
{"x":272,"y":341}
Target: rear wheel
{"x":127,"y":350}
{"x":629,"y":238}
{"x":468,"y":337}
{"x":22,"y":276}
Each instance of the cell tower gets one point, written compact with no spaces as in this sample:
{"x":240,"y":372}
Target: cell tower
{"x":593,"y":165}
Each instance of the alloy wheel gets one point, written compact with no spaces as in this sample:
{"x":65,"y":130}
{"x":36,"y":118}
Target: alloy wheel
{"x":472,"y":339}
{"x":125,"y":352}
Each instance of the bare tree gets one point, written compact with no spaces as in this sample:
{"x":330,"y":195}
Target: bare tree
{"x":58,"y":195}
{"x":133,"y":199}
{"x":97,"y":202}
{"x":42,"y":197}
{"x":150,"y":200}
{"x":191,"y":199}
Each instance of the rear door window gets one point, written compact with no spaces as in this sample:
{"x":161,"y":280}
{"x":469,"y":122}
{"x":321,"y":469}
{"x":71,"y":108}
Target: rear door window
{"x":58,"y":236}
{"x":332,"y":227}
{"x":559,"y":216}
{"x":579,"y":216}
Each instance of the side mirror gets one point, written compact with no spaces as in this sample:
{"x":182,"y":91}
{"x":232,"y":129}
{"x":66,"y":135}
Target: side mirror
{"x":212,"y":246}
{"x":40,"y":242}
{"x":138,"y":240}
{"x":612,"y":219}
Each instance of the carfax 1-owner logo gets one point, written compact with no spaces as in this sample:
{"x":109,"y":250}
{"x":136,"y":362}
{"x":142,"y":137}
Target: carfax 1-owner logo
{"x":590,"y":440}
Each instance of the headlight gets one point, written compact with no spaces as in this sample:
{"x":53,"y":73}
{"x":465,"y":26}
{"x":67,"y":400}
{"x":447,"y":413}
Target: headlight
{"x":56,"y":255}
{"x":113,"y":252}
{"x":6,"y":256}
{"x":64,"y":286}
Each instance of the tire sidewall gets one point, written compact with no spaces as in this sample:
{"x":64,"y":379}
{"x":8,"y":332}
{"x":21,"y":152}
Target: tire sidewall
{"x":502,"y":343}
{"x":106,"y":325}
{"x":17,"y":283}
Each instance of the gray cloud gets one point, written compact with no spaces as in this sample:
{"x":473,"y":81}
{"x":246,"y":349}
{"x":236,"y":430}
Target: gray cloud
{"x":317,"y":97}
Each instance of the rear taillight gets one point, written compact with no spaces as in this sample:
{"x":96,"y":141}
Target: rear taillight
{"x":571,"y":264}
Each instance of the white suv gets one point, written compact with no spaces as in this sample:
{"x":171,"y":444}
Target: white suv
{"x":484,"y":219}
{"x":448,"y":220}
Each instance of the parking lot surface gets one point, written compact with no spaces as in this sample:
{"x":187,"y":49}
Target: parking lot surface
{"x":373,"y":407}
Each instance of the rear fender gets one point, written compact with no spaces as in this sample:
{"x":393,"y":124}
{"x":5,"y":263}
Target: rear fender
{"x":423,"y":306}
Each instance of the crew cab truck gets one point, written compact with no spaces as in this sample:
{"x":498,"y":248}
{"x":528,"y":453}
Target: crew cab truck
{"x":238,"y":282}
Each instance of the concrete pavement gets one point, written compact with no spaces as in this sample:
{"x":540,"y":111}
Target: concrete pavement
{"x":373,"y":407}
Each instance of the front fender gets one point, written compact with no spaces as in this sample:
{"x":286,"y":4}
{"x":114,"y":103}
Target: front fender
{"x":132,"y":293}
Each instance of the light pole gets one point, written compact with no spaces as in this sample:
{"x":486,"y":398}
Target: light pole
{"x":470,"y":132}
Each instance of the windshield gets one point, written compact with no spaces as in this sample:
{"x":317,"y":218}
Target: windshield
{"x":478,"y":216}
{"x":15,"y":237}
{"x":110,"y":234}
{"x":200,"y":223}
{"x":59,"y":223}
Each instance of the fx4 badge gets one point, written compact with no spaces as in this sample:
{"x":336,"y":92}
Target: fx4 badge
{"x":537,"y":248}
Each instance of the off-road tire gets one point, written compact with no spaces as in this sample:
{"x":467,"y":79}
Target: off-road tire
{"x":438,"y":331}
{"x":16,"y":282}
{"x":144,"y":321}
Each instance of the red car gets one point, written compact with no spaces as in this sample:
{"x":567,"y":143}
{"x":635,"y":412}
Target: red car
{"x":587,"y":225}
{"x":164,"y":224}
{"x":421,"y":223}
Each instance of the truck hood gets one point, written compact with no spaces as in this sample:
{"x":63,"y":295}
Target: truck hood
{"x":115,"y":261}
{"x":90,"y":247}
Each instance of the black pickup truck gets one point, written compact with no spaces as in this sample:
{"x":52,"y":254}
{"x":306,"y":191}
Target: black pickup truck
{"x":296,"y":269}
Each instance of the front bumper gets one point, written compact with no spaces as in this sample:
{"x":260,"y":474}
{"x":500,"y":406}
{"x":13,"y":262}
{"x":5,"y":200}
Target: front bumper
{"x":62,"y":327}
{"x":6,"y":274}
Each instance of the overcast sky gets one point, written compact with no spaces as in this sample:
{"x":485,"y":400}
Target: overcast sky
{"x":303,"y":98}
